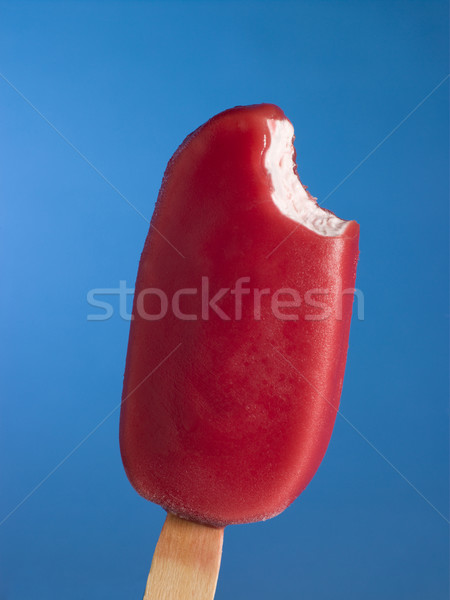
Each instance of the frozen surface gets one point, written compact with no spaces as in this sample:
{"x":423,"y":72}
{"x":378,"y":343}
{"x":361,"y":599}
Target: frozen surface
{"x":288,"y":193}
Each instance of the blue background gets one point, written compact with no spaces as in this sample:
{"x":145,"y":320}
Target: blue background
{"x":125,"y":82}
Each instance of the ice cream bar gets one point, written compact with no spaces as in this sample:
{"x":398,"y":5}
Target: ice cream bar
{"x":240,"y":327}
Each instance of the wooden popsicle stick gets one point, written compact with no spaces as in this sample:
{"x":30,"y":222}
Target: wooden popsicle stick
{"x":186,"y":561}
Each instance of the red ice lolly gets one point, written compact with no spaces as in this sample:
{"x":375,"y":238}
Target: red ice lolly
{"x":240,"y":327}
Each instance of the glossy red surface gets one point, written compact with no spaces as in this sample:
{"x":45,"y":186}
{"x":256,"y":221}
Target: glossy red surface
{"x":232,"y":426}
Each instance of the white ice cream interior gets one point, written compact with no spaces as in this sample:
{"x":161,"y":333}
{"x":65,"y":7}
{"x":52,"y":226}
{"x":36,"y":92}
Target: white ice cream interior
{"x":288,"y":193}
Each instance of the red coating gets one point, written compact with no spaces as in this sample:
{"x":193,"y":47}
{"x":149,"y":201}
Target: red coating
{"x":232,"y":426}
